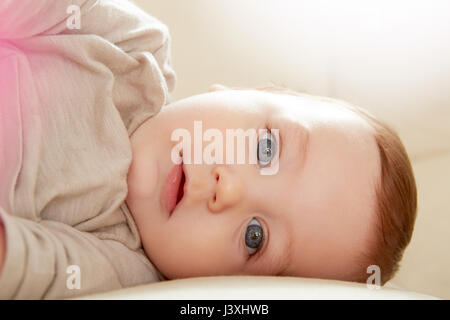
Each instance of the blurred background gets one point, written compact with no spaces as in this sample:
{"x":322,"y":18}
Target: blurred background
{"x":390,"y":57}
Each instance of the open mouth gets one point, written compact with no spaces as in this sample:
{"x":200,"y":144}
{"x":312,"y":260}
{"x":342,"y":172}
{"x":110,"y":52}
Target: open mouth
{"x":180,"y":193}
{"x":173,"y":191}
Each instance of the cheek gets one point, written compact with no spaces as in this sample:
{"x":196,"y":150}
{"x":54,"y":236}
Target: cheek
{"x":191,"y":248}
{"x":141,"y":179}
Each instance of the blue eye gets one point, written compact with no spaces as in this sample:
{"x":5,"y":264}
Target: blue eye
{"x":266,"y":149}
{"x":254,"y":236}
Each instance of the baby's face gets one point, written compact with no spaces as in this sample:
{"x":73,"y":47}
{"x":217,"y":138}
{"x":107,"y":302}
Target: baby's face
{"x":311,"y":218}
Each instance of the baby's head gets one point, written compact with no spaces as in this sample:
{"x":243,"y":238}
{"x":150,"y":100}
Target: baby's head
{"x":343,"y":196}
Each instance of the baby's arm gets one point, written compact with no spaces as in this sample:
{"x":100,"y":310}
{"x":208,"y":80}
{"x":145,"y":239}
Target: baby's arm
{"x":51,"y":260}
{"x":119,"y":21}
{"x":27,"y":18}
{"x":118,"y":31}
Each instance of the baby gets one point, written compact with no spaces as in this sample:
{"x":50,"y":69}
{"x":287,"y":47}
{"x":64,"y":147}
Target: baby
{"x":343,"y":198}
{"x":102,"y":185}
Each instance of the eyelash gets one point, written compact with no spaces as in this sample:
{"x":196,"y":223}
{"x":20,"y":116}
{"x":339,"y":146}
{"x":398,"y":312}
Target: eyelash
{"x":268,"y":128}
{"x":258,"y":253}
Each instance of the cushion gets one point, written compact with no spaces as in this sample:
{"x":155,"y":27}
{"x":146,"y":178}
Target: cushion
{"x":257,"y":287}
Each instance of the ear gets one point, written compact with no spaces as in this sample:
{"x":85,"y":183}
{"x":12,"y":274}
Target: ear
{"x":217,"y":87}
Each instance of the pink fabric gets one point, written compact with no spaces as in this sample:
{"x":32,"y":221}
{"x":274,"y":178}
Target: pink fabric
{"x":10,"y":123}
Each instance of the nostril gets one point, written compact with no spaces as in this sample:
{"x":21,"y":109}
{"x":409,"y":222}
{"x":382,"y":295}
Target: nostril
{"x":217,"y":177}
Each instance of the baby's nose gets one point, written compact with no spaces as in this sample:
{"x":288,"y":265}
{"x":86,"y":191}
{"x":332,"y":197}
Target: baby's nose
{"x":228,"y":190}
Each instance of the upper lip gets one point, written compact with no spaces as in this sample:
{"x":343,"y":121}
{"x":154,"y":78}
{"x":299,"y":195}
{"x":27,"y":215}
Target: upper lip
{"x":184,"y":173}
{"x":185,"y":181}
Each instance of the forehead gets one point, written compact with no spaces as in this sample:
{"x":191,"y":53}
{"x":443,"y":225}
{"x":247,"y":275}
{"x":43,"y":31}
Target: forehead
{"x":330,"y":205}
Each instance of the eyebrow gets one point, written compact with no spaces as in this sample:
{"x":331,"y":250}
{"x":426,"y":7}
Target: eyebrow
{"x":302,"y":134}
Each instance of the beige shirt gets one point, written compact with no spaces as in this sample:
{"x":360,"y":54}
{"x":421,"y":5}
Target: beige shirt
{"x":69,"y":100}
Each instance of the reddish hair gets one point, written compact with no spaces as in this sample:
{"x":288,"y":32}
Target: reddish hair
{"x":396,"y":200}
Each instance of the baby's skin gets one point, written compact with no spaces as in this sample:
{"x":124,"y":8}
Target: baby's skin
{"x":312,"y":218}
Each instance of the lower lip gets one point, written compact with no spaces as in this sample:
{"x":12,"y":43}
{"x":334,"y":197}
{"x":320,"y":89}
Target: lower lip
{"x":171,"y":187}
